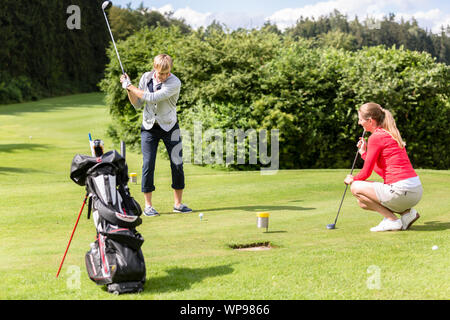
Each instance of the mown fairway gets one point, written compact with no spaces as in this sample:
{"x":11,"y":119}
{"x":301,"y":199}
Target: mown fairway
{"x":191,"y":259}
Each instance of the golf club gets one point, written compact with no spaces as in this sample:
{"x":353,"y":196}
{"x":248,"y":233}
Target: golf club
{"x":123,"y":149}
{"x":332,"y":226}
{"x":106,"y":5}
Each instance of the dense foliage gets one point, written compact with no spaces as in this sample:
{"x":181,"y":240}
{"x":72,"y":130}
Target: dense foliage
{"x":307,"y":81}
{"x":40,"y":56}
{"x":264,"y":80}
{"x":319,"y":91}
{"x":342,"y":32}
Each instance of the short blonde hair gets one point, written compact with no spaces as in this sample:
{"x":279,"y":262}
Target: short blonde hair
{"x":163,"y":63}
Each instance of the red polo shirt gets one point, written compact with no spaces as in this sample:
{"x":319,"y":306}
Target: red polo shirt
{"x":387,"y":159}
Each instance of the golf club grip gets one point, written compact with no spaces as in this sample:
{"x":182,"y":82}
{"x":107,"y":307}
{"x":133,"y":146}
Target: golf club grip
{"x":356,"y":156}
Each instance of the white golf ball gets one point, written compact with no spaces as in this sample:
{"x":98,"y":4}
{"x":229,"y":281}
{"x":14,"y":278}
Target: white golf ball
{"x":201,"y":215}
{"x":435,"y":248}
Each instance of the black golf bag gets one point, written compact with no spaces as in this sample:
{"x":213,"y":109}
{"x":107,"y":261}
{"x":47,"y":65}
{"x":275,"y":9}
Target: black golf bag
{"x":115,"y":258}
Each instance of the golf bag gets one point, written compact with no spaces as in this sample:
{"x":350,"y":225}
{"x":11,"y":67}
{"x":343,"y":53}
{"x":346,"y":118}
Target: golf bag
{"x":115,"y":258}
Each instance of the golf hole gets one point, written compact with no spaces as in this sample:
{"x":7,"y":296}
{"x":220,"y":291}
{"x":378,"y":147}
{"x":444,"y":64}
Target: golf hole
{"x":257,"y":246}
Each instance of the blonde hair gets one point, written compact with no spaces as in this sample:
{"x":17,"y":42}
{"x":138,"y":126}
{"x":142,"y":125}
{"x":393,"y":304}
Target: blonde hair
{"x":384,"y":118}
{"x":163,"y":63}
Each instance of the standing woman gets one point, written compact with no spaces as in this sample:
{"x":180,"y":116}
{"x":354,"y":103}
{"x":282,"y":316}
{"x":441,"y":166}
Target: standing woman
{"x":385,"y":153}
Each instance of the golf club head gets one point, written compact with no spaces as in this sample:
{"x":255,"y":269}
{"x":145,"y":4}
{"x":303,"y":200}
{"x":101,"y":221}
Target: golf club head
{"x":331,"y":226}
{"x":106,"y":5}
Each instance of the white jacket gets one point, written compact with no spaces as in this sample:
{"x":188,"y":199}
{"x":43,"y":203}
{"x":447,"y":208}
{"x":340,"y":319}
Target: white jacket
{"x":161,"y":105}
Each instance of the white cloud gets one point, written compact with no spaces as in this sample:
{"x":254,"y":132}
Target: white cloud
{"x":194,"y":18}
{"x":363,"y":8}
{"x":375,"y":9}
{"x":433,"y":19}
{"x":165,"y":9}
{"x":234,"y":20}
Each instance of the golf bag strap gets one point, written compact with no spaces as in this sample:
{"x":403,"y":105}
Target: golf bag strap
{"x":89,"y":207}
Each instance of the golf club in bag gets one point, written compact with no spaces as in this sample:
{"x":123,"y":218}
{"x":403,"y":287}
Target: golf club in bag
{"x":333,"y":225}
{"x":106,"y":5}
{"x":115,"y":258}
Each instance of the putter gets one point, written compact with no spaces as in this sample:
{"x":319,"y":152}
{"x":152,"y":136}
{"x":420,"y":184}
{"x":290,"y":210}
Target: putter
{"x":332,"y":226}
{"x":106,"y":5}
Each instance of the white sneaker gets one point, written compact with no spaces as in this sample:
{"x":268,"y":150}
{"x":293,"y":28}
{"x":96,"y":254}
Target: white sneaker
{"x":409,"y":218}
{"x":388,"y":225}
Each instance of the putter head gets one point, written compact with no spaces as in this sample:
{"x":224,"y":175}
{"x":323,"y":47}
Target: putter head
{"x":106,"y":5}
{"x":331,"y":226}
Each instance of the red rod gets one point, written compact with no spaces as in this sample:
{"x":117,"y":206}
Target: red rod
{"x":73,"y":232}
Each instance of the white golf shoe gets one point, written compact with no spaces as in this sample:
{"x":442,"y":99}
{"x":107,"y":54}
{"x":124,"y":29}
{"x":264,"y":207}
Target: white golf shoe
{"x":388,"y":225}
{"x":409,"y":218}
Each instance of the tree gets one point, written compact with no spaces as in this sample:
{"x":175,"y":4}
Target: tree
{"x":40,"y":56}
{"x":126,"y":21}
{"x":338,"y":39}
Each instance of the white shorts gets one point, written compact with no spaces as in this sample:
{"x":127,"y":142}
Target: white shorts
{"x":397,"y":199}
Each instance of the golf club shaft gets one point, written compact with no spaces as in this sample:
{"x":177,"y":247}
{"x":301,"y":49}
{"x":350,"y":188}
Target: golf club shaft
{"x":112,"y":38}
{"x":91,"y":145}
{"x":123,"y":149}
{"x":73,"y":232}
{"x":356,"y":156}
{"x":346,"y":187}
{"x":342,"y":201}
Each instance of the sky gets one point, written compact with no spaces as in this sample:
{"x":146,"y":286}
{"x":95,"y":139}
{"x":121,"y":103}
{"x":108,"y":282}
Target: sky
{"x":430,"y":14}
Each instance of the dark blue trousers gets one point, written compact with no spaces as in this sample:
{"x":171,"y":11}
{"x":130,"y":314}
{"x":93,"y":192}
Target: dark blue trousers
{"x":149,"y":144}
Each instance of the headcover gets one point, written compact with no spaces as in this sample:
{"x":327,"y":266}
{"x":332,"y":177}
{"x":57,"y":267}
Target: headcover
{"x":81,"y":164}
{"x":98,"y":147}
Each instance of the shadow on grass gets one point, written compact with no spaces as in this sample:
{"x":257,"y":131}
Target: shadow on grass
{"x":53,"y":104}
{"x":279,"y":231}
{"x":7,"y":170}
{"x":179,"y":279}
{"x":431,"y":226}
{"x":7,"y":148}
{"x":258,"y":208}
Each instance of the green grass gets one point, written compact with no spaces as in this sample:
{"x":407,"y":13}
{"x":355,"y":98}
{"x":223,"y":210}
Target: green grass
{"x":191,"y":259}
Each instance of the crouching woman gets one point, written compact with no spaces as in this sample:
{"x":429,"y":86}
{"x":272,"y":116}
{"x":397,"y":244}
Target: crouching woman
{"x":385,"y":153}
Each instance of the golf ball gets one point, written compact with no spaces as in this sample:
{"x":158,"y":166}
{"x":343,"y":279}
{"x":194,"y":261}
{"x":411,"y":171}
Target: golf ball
{"x":435,"y":248}
{"x":200,"y":216}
